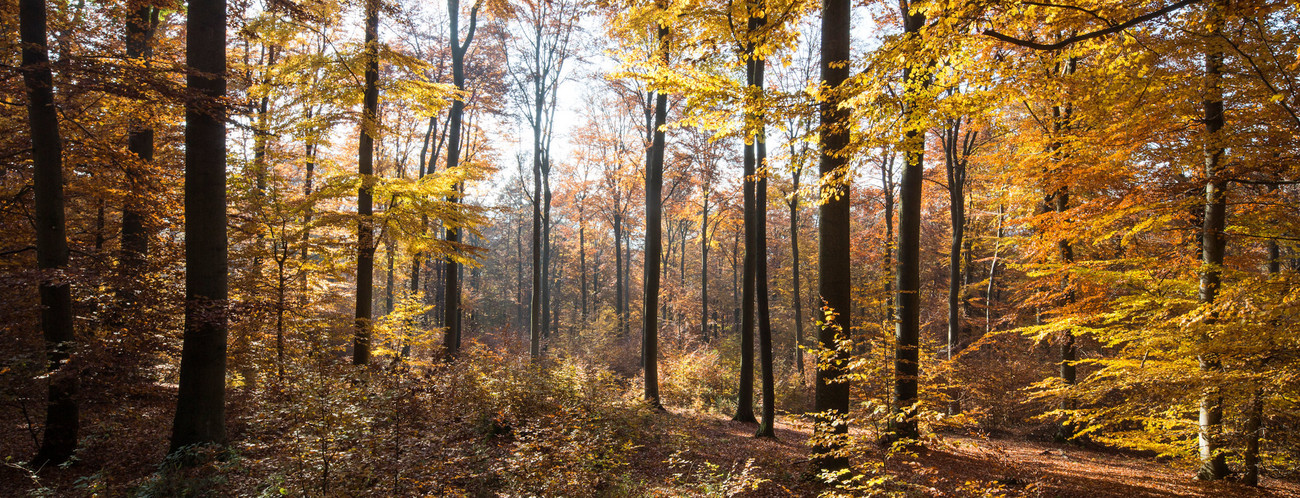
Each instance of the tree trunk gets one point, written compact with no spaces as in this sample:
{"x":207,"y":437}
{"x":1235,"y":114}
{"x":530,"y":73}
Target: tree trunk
{"x":201,"y":397}
{"x":365,"y":167}
{"x":887,"y":180}
{"x":797,"y":298}
{"x":619,"y":297}
{"x":451,"y":309}
{"x":831,"y":389}
{"x":1213,"y":465}
{"x":654,"y":186}
{"x":906,"y":367}
{"x":767,"y":427}
{"x":745,"y":393}
{"x":61,"y":413}
{"x":954,"y":164}
{"x":704,"y":268}
{"x":140,"y":26}
{"x":582,"y":259}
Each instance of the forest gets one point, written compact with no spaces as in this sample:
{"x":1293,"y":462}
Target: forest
{"x":542,"y":248}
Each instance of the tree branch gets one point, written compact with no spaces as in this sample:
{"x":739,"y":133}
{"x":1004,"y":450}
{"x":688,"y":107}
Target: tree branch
{"x":1114,"y":28}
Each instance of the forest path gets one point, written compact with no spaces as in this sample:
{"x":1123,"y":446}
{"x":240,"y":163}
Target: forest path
{"x":955,"y":466}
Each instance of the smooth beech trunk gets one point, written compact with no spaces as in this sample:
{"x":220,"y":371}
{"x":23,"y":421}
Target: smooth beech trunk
{"x":654,"y":207}
{"x":908,"y":274}
{"x":141,"y":22}
{"x":831,"y":398}
{"x":365,"y":194}
{"x":61,"y":416}
{"x":1210,"y":437}
{"x":201,"y":398}
{"x":451,"y":309}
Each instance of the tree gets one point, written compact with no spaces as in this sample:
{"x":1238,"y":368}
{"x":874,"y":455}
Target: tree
{"x":1213,"y":463}
{"x":142,"y":22}
{"x":61,"y":416}
{"x":201,"y":397}
{"x":365,"y":194}
{"x":831,"y":402}
{"x":654,"y":186}
{"x":451,"y":341}
{"x":908,"y":276}
{"x":545,"y":30}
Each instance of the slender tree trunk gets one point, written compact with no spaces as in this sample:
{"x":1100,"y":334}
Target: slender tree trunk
{"x":906,"y":366}
{"x":451,"y":309}
{"x":993,"y":272}
{"x":140,"y":26}
{"x":546,"y":246}
{"x":365,"y":201}
{"x":425,"y":167}
{"x":797,"y":298}
{"x":831,"y":399}
{"x":582,"y":259}
{"x":619,"y":296}
{"x":1255,"y":415}
{"x":745,"y":393}
{"x":955,"y":167}
{"x":308,"y":177}
{"x":201,"y":397}
{"x":887,"y":180}
{"x":654,"y":186}
{"x":768,"y":426}
{"x":704,"y":268}
{"x":61,"y":413}
{"x":1213,"y":464}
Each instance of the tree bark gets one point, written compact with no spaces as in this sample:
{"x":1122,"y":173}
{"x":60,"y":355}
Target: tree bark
{"x":757,"y":21}
{"x":59,"y":440}
{"x":704,"y":267}
{"x":654,"y":204}
{"x":745,"y":392}
{"x":906,"y":366}
{"x":831,"y":398}
{"x":451,"y":309}
{"x":201,"y":398}
{"x":1213,"y":465}
{"x":365,"y":194}
{"x":141,"y":22}
{"x":797,"y":298}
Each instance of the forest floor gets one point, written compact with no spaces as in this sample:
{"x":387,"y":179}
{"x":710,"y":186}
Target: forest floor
{"x":958,"y":465}
{"x":706,"y":454}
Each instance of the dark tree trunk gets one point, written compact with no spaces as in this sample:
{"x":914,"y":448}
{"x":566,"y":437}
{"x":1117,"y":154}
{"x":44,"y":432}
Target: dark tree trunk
{"x":767,"y":427}
{"x":425,"y":167}
{"x":835,"y":286}
{"x":61,"y":417}
{"x":619,"y":296}
{"x":308,"y":177}
{"x":797,"y":297}
{"x":745,"y":393}
{"x":201,"y":398}
{"x":887,"y":180}
{"x":582,"y":259}
{"x":654,"y":206}
{"x":906,"y":366}
{"x":1213,"y":464}
{"x":141,"y":22}
{"x":365,"y":167}
{"x":451,"y":309}
{"x":993,"y":273}
{"x":704,"y":267}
